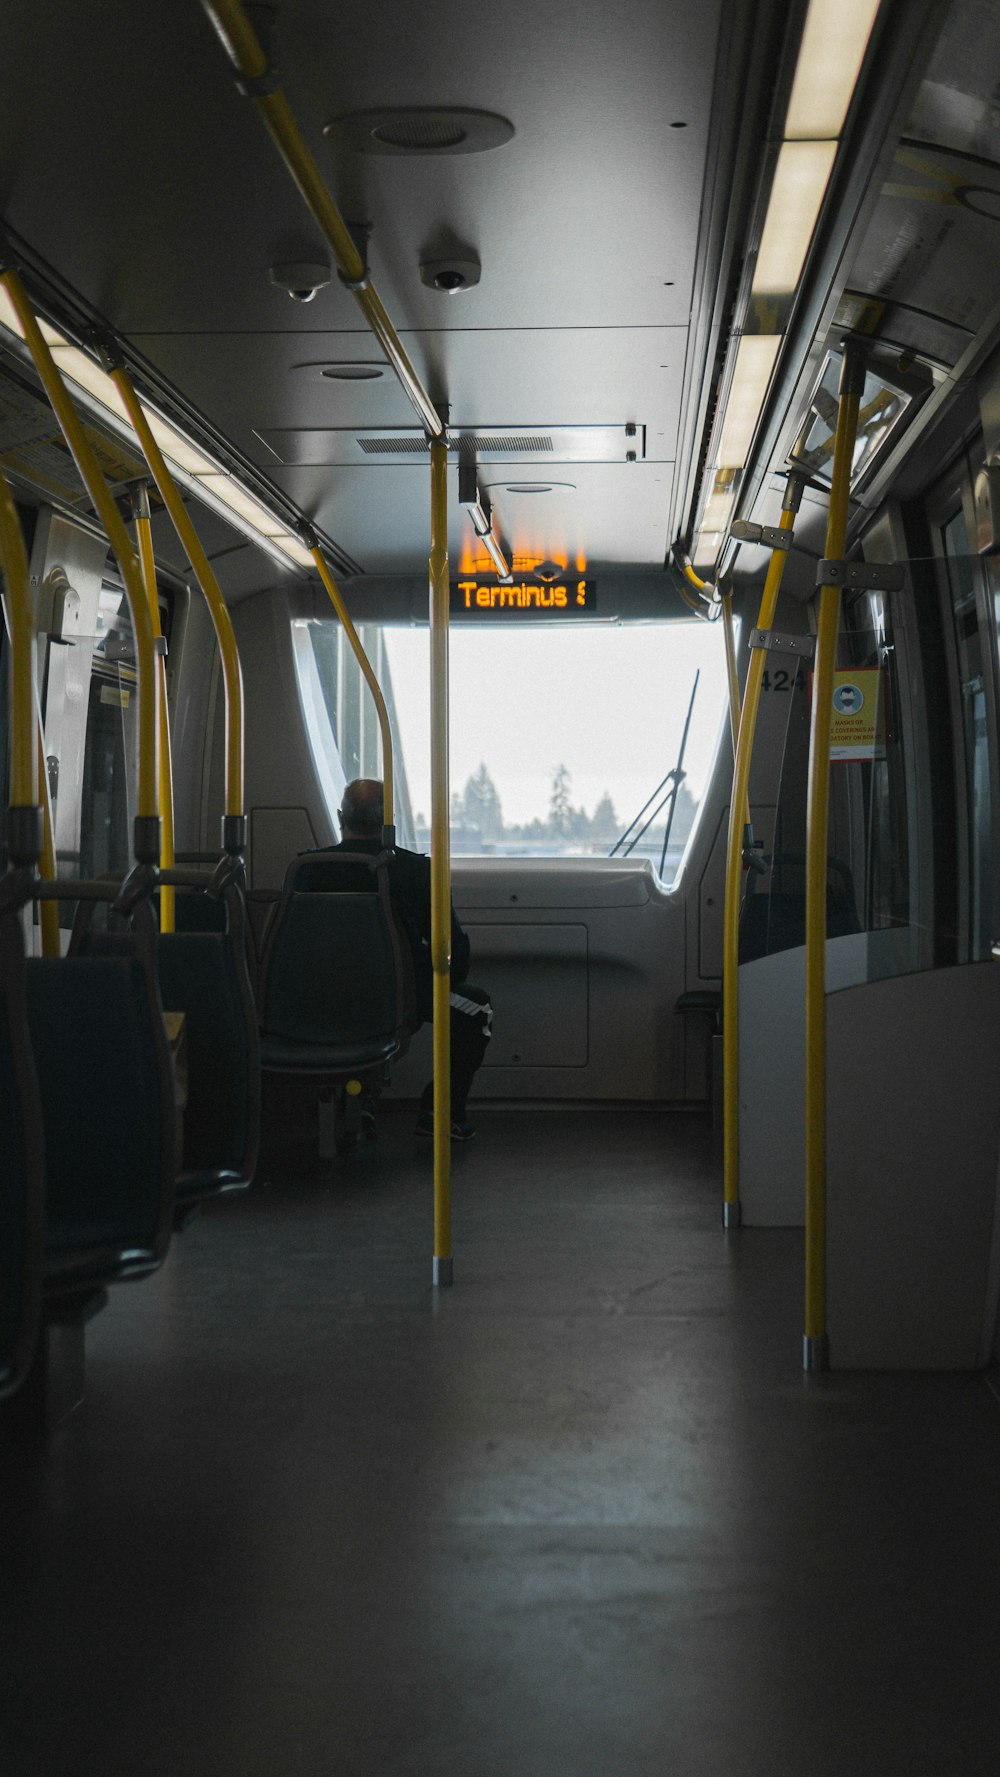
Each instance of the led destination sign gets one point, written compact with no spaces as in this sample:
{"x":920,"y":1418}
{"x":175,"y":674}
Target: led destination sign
{"x":471,"y":597}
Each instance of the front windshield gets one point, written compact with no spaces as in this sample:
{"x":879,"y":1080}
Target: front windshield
{"x":558,"y":737}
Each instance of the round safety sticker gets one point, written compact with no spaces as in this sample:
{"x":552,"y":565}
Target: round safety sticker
{"x":848,"y":699}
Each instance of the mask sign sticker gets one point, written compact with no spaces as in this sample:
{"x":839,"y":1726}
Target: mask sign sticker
{"x":858,"y":728}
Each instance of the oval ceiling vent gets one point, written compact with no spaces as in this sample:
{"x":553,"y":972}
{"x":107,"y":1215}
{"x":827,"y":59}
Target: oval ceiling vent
{"x":423,"y":129}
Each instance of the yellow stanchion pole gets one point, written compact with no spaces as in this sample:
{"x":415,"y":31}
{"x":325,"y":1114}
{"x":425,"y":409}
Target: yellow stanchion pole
{"x":147,"y":822}
{"x":336,"y":599}
{"x":739,"y":809}
{"x":440,"y":863}
{"x":48,"y":911}
{"x":852,"y":382}
{"x":258,"y":81}
{"x":234,"y":822}
{"x":23,"y":771}
{"x":165,"y":768}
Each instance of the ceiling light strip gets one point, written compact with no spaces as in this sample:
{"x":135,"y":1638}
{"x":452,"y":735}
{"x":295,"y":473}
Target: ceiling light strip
{"x":214,"y":485}
{"x":834,"y":40}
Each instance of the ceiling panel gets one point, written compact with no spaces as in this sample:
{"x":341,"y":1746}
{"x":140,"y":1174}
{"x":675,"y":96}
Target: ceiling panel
{"x":614,"y":513}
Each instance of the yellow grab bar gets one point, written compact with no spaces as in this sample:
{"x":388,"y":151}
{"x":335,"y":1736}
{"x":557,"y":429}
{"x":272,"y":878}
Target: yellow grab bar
{"x":147,"y":824}
{"x":440,"y":863}
{"x":234,"y":833}
{"x":739,"y":807}
{"x":23,"y":773}
{"x":29,"y":818}
{"x":48,"y":911}
{"x":257,"y":81}
{"x":852,"y":382}
{"x":165,"y":773}
{"x":311,"y":542}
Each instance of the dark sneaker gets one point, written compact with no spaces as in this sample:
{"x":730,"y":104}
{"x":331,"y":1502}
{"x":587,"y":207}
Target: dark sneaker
{"x":459,"y":1131}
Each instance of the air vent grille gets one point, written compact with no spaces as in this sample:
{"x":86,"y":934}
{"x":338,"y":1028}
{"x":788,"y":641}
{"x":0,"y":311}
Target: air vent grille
{"x":481,"y":446}
{"x":393,"y":447}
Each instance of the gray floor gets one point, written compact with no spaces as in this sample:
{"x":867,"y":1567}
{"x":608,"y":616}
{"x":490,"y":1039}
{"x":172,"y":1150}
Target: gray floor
{"x":579,"y":1515}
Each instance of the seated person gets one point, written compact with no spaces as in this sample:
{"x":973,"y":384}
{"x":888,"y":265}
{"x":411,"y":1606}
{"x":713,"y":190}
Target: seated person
{"x":360,"y":816}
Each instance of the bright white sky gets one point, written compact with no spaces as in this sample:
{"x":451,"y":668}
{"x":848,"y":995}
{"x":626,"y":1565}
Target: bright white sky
{"x":608,"y":703}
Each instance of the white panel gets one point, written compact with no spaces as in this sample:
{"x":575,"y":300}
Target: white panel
{"x":914,"y":1131}
{"x":537,"y":978}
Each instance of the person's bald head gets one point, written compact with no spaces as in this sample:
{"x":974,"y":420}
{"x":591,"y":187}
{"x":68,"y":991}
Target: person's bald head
{"x":360,"y":811}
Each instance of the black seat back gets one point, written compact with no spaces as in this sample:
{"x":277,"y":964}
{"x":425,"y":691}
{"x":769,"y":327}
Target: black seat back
{"x":203,"y":974}
{"x":21,"y":1168}
{"x":107,"y":1094}
{"x":774,"y":919}
{"x":332,"y":970}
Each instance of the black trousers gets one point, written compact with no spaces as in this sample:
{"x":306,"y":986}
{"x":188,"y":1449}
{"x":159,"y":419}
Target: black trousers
{"x":471,"y":1022}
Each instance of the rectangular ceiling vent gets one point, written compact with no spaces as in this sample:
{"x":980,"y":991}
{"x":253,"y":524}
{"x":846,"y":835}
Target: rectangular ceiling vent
{"x":335,"y":446}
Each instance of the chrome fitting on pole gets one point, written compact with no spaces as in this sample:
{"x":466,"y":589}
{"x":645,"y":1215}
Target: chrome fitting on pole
{"x":770,"y":534}
{"x":443,"y":1275}
{"x":815,"y":1353}
{"x":862,"y":576}
{"x":795,"y":487}
{"x":854,"y":364}
{"x":388,"y":838}
{"x":732,"y":1215}
{"x":771,"y":641}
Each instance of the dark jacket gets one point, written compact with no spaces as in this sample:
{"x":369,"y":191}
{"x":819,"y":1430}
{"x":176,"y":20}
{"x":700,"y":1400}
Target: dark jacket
{"x":410,"y":889}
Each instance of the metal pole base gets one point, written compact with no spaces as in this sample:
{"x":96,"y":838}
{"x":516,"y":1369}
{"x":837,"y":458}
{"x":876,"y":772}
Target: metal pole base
{"x":443,"y":1274}
{"x":732,"y":1215}
{"x":815,"y":1353}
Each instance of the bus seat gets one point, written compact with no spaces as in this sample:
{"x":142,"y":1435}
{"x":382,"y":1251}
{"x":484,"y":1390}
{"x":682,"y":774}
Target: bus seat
{"x":203,"y":974}
{"x":107,"y":1097}
{"x":22,"y":1179}
{"x":775,"y":919}
{"x":334,"y":1001}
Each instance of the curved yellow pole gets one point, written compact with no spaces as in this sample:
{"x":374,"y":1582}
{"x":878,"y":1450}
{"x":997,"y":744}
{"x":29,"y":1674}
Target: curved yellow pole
{"x":48,"y":911}
{"x":738,"y":820}
{"x":23,"y":785}
{"x":147,"y":825}
{"x":852,"y":382}
{"x":440,"y":863}
{"x":231,"y":675}
{"x":165,"y":769}
{"x":240,"y":42}
{"x":366,"y":667}
{"x":731,"y":674}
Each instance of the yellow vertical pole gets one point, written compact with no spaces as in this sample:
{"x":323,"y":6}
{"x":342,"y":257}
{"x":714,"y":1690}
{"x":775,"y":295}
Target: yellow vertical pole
{"x":852,"y":382}
{"x":739,"y":806}
{"x":48,"y":911}
{"x":234,"y":820}
{"x":29,"y":817}
{"x":440,"y":862}
{"x":336,"y":600}
{"x":23,"y":774}
{"x":732,"y":676}
{"x":146,"y":842}
{"x":165,"y":773}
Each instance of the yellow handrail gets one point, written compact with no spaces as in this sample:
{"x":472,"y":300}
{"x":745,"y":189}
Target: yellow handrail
{"x":23,"y":785}
{"x":731,"y":673}
{"x":232,"y":677}
{"x":241,"y":44}
{"x":739,"y":806}
{"x":440,"y":863}
{"x":852,"y":382}
{"x":29,"y":825}
{"x":48,"y":911}
{"x":165,"y":770}
{"x":147,"y":825}
{"x":336,"y":599}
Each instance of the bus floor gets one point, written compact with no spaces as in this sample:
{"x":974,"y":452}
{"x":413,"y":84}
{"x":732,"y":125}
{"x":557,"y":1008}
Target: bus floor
{"x":578,"y":1515}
